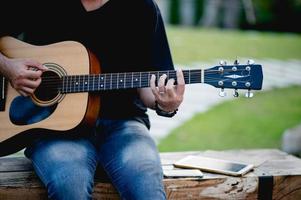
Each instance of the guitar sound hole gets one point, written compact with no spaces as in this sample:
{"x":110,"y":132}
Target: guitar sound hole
{"x":49,"y":87}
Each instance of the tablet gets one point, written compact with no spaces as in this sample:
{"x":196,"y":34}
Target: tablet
{"x":214,"y":165}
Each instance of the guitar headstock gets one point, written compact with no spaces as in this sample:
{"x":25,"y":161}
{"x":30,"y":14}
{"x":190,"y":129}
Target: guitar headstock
{"x":246,"y":76}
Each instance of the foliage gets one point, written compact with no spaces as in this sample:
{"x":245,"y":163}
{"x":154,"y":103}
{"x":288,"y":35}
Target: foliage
{"x":271,"y":15}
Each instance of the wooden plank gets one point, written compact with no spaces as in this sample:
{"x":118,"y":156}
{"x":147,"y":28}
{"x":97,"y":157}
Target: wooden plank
{"x":20,"y":182}
{"x":15,"y":164}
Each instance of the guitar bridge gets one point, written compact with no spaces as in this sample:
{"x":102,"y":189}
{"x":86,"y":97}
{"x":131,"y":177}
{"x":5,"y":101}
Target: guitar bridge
{"x":2,"y":93}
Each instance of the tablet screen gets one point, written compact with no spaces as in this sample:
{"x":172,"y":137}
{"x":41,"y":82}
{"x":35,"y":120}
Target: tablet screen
{"x":210,"y":164}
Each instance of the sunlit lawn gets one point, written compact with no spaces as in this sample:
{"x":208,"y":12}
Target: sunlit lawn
{"x":242,"y":123}
{"x":196,"y":44}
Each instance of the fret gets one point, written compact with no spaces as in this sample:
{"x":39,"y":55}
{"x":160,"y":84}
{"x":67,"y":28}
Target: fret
{"x":67,"y":88}
{"x":65,"y":84}
{"x":93,"y":82}
{"x":132,"y":79}
{"x":140,"y":79}
{"x":107,"y":83}
{"x":157,"y":74}
{"x":80,"y":84}
{"x":124,"y":81}
{"x":120,"y":83}
{"x":75,"y":86}
{"x":104,"y":82}
{"x":86,"y":84}
{"x":117,"y":80}
{"x":77,"y":83}
{"x":136,"y":79}
{"x":72,"y":83}
{"x":100,"y":76}
{"x":101,"y":82}
{"x":111,"y":81}
{"x":173,"y":74}
{"x":186,"y":76}
{"x":90,"y":83}
{"x":114,"y":81}
{"x":194,"y":76}
{"x":69,"y":84}
{"x":128,"y":80}
{"x":144,"y":79}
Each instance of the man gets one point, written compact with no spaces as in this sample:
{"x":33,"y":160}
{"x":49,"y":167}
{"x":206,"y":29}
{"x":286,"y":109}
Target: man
{"x":125,"y":36}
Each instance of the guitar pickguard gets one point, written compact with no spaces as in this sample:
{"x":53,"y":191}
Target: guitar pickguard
{"x":24,"y":112}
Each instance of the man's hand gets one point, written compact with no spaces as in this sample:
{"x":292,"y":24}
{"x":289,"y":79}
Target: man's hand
{"x":169,"y":96}
{"x":24,"y":74}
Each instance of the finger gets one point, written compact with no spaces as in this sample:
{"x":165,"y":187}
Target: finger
{"x":36,"y":64}
{"x":27,"y":90}
{"x":181,"y":82}
{"x":33,"y":74}
{"x":170,"y":88}
{"x":32,"y":83}
{"x":153,"y":86}
{"x":22,"y":93}
{"x":161,"y":83}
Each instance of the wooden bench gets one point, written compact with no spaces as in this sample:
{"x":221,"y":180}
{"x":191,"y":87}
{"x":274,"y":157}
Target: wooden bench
{"x":277,"y":175}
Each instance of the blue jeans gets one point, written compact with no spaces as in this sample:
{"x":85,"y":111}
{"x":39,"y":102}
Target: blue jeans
{"x":123,"y":148}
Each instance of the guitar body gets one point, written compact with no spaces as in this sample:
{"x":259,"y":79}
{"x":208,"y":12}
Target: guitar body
{"x":72,"y":110}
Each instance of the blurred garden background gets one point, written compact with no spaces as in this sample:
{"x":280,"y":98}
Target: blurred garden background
{"x":202,"y":32}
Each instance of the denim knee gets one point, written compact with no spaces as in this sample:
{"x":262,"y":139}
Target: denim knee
{"x":145,"y":180}
{"x":71,"y":184}
{"x":65,"y":166}
{"x":135,"y":168}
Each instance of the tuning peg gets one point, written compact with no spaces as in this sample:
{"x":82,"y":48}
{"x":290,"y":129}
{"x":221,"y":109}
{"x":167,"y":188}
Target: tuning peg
{"x":222,"y":93}
{"x":235,"y":93}
{"x":236,"y":62}
{"x":249,"y":94}
{"x":250,"y":62}
{"x":222,"y":62}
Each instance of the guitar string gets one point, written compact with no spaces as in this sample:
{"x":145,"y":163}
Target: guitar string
{"x":129,"y":82}
{"x":125,"y":75}
{"x":114,"y":87}
{"x":75,"y":85}
{"x":144,"y":73}
{"x":115,"y":80}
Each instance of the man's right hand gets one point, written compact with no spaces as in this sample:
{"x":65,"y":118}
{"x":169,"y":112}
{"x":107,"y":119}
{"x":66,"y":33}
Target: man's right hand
{"x":24,"y":74}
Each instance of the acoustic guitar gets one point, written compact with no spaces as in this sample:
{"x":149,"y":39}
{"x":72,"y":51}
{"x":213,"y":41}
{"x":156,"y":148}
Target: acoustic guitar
{"x":69,"y":96}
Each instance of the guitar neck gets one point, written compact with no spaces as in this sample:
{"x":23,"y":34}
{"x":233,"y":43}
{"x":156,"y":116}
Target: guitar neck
{"x":125,"y":80}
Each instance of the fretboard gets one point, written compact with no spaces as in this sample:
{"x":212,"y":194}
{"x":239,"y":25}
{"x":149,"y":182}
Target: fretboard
{"x":125,"y":80}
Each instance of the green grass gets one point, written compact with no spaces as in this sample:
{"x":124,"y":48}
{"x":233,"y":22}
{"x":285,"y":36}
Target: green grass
{"x":242,"y":123}
{"x":190,"y":45}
